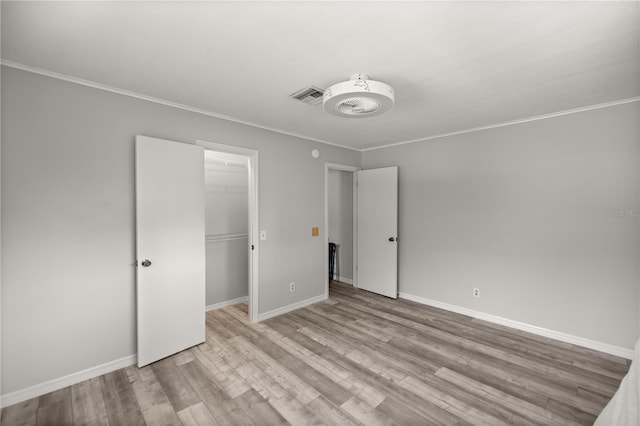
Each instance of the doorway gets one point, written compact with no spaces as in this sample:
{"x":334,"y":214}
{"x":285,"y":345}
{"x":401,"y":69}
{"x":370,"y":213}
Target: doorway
{"x":340,"y":223}
{"x":375,"y":228}
{"x":231,"y":200}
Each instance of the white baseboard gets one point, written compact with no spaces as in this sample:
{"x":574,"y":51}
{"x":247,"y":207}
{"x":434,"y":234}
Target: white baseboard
{"x":557,"y":335}
{"x":71,"y":379}
{"x":345,"y":280}
{"x":292,"y":307}
{"x":224,"y":304}
{"x":68,"y":380}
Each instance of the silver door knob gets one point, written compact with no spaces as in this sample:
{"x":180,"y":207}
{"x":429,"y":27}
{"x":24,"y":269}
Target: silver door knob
{"x":146,"y":263}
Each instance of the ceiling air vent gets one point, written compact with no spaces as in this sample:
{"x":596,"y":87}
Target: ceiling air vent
{"x":309,"y":95}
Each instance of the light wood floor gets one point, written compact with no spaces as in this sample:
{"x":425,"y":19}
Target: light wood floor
{"x":355,"y":359}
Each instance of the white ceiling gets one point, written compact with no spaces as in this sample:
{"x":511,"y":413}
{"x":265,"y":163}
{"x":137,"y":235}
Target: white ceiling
{"x":454,"y":65}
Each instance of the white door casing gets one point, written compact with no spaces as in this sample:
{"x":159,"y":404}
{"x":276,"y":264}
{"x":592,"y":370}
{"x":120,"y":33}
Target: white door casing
{"x":377,"y":232}
{"x":254,"y":219}
{"x":344,"y":168}
{"x":170,"y":241}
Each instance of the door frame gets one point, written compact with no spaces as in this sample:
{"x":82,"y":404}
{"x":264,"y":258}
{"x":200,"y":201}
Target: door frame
{"x":254,"y":280}
{"x":380,"y":220}
{"x":341,"y":168}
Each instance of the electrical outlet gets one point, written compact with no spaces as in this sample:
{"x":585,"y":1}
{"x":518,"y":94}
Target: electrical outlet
{"x":292,"y":287}
{"x":476,"y":292}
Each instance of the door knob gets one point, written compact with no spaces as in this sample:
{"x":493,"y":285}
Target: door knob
{"x":392,"y":239}
{"x":146,"y":263}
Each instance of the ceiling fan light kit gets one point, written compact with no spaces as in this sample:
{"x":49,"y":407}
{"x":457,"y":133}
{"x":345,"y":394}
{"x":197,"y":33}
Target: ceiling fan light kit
{"x":358,"y":97}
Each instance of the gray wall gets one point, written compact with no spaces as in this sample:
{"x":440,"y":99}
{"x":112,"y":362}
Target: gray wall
{"x":68,"y":219}
{"x":226,"y":217}
{"x":227,"y":270}
{"x":524,"y":213}
{"x":340,"y":210}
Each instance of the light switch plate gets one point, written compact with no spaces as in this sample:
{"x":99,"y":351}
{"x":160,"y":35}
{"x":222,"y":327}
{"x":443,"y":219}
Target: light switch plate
{"x":314,"y":231}
{"x":263,"y":235}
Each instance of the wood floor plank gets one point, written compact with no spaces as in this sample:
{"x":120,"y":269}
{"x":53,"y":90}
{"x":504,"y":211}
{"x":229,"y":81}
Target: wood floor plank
{"x":372,"y":350}
{"x":227,"y":378}
{"x":389,"y":355}
{"x":56,"y":413}
{"x":183,"y":357}
{"x":252,"y":374}
{"x":366,"y":414}
{"x":331,"y":413}
{"x":294,"y":366}
{"x":88,"y":404}
{"x":312,"y":359}
{"x":295,"y":412}
{"x":55,"y":396}
{"x":403,"y":415}
{"x":22,"y":414}
{"x":566,"y":372}
{"x":122,"y":408}
{"x":115,"y":381}
{"x":387,"y":369}
{"x":574,"y":414}
{"x":534,"y":382}
{"x":349,"y":321}
{"x":502,"y":383}
{"x":277,"y":372}
{"x":229,"y":323}
{"x":445,"y":359}
{"x":153,"y":402}
{"x":594,"y":397}
{"x":496,"y":397}
{"x":558,"y":347}
{"x":120,"y":401}
{"x":257,"y":409}
{"x":298,"y":367}
{"x":452,"y":403}
{"x":425,"y":408}
{"x":138,"y":375}
{"x":178,"y":390}
{"x":222,"y":409}
{"x":357,"y":358}
{"x":214,"y":323}
{"x":196,"y":415}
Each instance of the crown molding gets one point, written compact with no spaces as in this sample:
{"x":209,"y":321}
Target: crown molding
{"x":509,"y":123}
{"x":95,"y":85}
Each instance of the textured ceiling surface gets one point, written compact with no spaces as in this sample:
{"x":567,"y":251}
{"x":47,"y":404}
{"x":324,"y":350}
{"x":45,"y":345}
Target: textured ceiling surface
{"x":454,"y":65}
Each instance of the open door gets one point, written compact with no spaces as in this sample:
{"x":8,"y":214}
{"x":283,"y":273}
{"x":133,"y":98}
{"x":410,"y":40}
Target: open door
{"x":170,"y":247}
{"x":377,"y":251}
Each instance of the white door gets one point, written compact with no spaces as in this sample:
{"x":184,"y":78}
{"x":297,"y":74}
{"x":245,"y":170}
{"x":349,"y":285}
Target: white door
{"x":170,"y":234}
{"x":378,"y":231}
